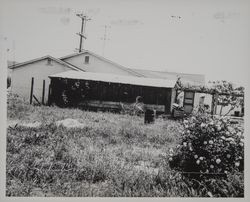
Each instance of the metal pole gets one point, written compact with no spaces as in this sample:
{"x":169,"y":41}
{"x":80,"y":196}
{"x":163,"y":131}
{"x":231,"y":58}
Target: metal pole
{"x":104,"y":38}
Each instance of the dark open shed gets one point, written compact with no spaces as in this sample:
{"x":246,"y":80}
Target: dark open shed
{"x":79,"y":89}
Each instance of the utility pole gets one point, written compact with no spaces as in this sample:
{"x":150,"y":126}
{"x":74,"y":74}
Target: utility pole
{"x":104,"y":38}
{"x":84,"y":19}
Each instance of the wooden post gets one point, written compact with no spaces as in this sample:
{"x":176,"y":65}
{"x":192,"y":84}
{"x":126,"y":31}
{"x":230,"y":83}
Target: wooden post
{"x":31,"y":90}
{"x":43,"y":92}
{"x":36,"y":99}
{"x":214,"y":104}
{"x":49,"y":96}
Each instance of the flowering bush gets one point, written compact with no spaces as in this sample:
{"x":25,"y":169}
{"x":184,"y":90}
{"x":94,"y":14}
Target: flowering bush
{"x":209,"y":145}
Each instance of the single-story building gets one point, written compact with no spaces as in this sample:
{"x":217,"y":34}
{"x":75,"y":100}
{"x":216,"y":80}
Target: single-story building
{"x":41,"y":68}
{"x":100,"y":90}
{"x":91,"y":62}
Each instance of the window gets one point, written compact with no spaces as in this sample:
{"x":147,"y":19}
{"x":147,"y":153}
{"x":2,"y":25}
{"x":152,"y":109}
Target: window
{"x":188,"y":101}
{"x":86,"y":59}
{"x":49,"y":62}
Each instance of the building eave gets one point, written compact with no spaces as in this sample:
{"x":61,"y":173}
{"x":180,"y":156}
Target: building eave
{"x":18,"y":65}
{"x":104,"y":59}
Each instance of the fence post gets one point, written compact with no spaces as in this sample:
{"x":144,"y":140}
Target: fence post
{"x":214,"y":103}
{"x":31,"y":90}
{"x":49,"y":95}
{"x":43,"y":92}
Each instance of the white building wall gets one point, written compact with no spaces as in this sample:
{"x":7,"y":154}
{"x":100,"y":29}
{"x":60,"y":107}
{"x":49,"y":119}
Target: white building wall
{"x":225,"y":110}
{"x":95,"y":65}
{"x":40,"y":70}
{"x":208,"y":101}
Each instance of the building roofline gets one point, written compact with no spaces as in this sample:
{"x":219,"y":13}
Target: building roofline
{"x":191,"y":74}
{"x":18,"y":65}
{"x":105,"y":59}
{"x":113,"y":78}
{"x":131,"y":70}
{"x":84,"y":70}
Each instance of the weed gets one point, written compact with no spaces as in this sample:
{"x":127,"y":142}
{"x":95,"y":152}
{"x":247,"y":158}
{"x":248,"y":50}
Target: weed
{"x":113,"y":155}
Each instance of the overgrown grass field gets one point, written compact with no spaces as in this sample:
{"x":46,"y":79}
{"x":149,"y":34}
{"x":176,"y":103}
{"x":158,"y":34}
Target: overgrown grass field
{"x":112,"y":155}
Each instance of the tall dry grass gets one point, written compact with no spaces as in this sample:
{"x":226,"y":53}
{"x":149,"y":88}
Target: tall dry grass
{"x":113,"y":155}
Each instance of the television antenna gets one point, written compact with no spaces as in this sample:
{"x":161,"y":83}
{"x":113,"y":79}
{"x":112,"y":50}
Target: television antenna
{"x":105,"y":38}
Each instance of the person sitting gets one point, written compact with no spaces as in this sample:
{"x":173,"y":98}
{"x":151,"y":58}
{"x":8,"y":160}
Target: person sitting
{"x":139,"y":105}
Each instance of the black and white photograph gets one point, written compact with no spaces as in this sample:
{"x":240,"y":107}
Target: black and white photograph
{"x":115,"y":98}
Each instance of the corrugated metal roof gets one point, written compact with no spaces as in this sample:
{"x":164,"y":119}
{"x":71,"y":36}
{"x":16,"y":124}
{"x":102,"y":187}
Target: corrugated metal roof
{"x":140,"y":81}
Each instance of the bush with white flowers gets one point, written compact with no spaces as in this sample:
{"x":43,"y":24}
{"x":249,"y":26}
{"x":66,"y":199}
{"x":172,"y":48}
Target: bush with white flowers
{"x":209,"y":145}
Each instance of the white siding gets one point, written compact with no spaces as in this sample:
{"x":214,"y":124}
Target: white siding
{"x":40,"y":70}
{"x":96,"y":65}
{"x":226,"y":109}
{"x":208,"y":101}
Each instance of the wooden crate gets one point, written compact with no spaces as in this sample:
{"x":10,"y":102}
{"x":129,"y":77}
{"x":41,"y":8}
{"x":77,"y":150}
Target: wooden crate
{"x":178,"y":113}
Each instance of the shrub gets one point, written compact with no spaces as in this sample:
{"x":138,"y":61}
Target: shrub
{"x":16,"y":106}
{"x":209,"y":145}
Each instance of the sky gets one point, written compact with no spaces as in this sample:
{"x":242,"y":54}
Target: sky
{"x":210,"y":37}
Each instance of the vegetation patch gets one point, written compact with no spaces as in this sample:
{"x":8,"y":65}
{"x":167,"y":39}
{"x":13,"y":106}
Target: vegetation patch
{"x":211,"y":151}
{"x":113,"y":155}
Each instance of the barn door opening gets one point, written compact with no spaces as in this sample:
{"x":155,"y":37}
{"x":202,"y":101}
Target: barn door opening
{"x":188,"y":102}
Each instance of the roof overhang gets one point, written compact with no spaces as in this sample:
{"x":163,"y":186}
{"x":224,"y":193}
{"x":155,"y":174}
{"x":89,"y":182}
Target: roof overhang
{"x":111,"y":78}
